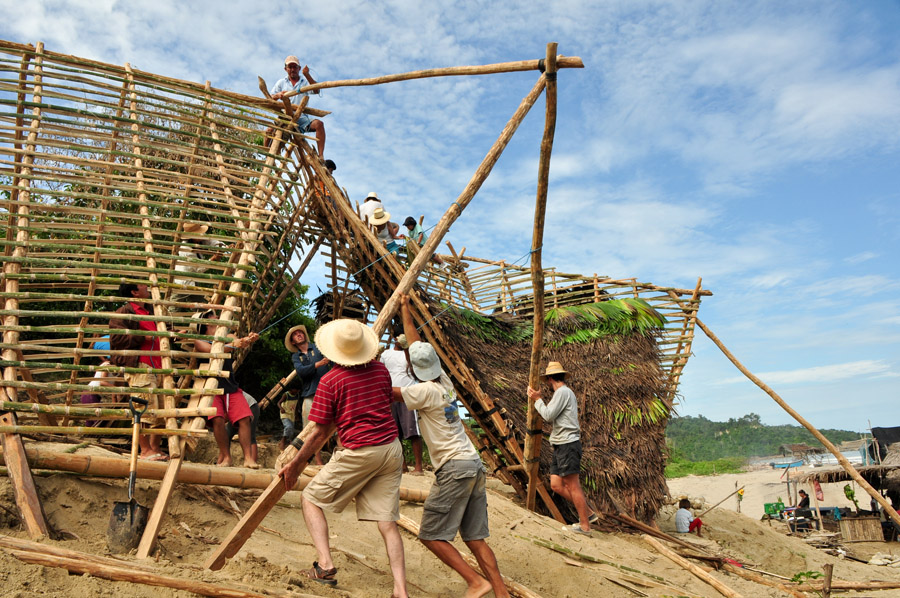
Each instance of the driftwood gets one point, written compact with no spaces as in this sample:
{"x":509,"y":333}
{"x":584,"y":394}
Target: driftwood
{"x":30,"y":509}
{"x":756,"y":578}
{"x":700,"y":573}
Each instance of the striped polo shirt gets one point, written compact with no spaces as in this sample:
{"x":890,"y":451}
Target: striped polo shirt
{"x":358,"y":400}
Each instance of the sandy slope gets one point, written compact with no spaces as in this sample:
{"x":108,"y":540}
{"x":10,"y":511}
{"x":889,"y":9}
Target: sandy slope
{"x":272,"y":557}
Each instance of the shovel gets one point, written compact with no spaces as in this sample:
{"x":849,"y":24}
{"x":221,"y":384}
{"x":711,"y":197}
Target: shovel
{"x":128,"y":519}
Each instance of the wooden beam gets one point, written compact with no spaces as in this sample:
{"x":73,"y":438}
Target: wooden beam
{"x":534,"y":422}
{"x":24,"y":489}
{"x":691,"y":567}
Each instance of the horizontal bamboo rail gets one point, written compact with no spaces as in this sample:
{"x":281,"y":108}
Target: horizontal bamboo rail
{"x":103,"y":413}
{"x":91,"y":431}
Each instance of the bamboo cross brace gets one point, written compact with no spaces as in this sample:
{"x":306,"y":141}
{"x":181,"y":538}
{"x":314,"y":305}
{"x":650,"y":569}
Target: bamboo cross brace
{"x":531,"y":457}
{"x":848,"y":467}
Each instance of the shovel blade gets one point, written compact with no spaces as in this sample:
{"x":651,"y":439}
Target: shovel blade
{"x":126,"y":526}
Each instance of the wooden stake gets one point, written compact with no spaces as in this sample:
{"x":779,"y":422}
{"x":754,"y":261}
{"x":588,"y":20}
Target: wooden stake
{"x":718,"y":503}
{"x":691,"y":567}
{"x":848,"y":467}
{"x":24,"y":490}
{"x":826,"y":584}
{"x":534,"y":422}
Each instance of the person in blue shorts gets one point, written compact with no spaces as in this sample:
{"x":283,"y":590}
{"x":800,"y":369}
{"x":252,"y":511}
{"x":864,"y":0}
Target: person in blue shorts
{"x":293,"y":82}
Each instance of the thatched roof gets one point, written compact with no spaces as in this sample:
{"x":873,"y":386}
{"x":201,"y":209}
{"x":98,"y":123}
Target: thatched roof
{"x":614,"y":369}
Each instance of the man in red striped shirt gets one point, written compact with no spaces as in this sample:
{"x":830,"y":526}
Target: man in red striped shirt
{"x":355,"y":398}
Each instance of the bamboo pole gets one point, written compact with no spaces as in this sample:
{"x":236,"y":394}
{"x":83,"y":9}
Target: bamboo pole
{"x":720,"y":502}
{"x":91,"y":431}
{"x":691,"y":567}
{"x":24,"y":490}
{"x":102,"y":413}
{"x":756,"y":578}
{"x":534,"y":422}
{"x":487,"y":69}
{"x":848,"y":467}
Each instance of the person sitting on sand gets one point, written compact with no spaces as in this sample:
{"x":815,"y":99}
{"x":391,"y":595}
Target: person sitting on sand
{"x":686,"y":523}
{"x":231,"y":403}
{"x":457,"y":501}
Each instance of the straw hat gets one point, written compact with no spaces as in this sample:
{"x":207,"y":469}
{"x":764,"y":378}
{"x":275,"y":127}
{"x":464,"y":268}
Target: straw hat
{"x":372,"y":195}
{"x":379,"y":216}
{"x":194,"y":229}
{"x":196,"y":324}
{"x":401,"y":340}
{"x":554,"y":367}
{"x":288,"y":343}
{"x":424,"y":361}
{"x":347,"y":342}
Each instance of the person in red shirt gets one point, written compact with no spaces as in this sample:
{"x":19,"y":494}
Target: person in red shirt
{"x":355,"y":398}
{"x":125,"y":342}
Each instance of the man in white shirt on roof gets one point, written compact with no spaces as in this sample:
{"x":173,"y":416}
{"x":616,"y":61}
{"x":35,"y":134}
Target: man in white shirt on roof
{"x":293,"y":82}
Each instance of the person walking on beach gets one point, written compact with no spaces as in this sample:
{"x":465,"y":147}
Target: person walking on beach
{"x":457,"y":501}
{"x":562,"y":413}
{"x":354,"y":398}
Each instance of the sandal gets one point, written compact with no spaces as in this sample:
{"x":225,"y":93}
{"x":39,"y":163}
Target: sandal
{"x":324,"y":576}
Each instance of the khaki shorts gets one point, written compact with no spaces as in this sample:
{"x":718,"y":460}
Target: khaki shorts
{"x":457,"y":502}
{"x":370,"y":474}
{"x":146,"y":381}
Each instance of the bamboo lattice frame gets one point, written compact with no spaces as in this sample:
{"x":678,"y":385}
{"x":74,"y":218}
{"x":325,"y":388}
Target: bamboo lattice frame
{"x":101,"y":169}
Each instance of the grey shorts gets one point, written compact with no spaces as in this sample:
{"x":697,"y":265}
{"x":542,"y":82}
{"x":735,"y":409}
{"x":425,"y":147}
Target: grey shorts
{"x":566,"y":459}
{"x":457,"y":502}
{"x":303,"y":123}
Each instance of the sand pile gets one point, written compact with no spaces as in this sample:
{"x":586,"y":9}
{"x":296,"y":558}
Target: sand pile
{"x":530,"y":548}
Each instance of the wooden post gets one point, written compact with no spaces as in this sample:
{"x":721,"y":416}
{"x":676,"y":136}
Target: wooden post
{"x":826,"y":585}
{"x":720,"y":502}
{"x":533,"y":427}
{"x":24,"y":489}
{"x":848,"y":467}
{"x":818,"y":512}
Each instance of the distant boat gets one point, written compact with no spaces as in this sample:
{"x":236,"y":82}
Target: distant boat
{"x":787,"y":465}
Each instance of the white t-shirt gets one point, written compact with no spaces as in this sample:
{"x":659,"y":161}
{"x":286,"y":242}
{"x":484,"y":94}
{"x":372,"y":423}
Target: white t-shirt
{"x":439,"y":421}
{"x":398,"y":368}
{"x":683,"y":520}
{"x":368,"y":208}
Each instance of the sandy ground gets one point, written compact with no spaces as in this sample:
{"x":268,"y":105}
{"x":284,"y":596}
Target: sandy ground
{"x":523,"y":541}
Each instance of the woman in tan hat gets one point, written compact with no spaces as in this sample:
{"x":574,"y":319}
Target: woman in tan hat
{"x":385,"y":230}
{"x":562,"y":413}
{"x":310,"y":365}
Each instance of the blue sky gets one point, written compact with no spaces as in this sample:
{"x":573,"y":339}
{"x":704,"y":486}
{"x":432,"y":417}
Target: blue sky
{"x":754,"y":144}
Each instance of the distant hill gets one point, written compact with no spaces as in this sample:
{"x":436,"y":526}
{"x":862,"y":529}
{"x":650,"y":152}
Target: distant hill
{"x":700,"y":439}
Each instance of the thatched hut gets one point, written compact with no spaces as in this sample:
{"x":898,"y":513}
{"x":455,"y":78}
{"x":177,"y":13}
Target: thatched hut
{"x":610,"y":350}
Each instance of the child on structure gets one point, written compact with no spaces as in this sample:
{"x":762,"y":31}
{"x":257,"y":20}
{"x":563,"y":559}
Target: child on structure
{"x":417,"y":235}
{"x":231,"y":403}
{"x":686,"y":523}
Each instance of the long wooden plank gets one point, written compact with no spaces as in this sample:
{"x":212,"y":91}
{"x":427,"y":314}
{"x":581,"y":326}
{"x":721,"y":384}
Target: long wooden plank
{"x":24,"y":489}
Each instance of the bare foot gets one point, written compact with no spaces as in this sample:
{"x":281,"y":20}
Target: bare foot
{"x":224,"y":462}
{"x":251,"y":464}
{"x":482,"y":588}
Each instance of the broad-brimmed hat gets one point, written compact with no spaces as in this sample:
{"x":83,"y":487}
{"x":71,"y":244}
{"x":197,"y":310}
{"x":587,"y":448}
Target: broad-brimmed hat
{"x":554,"y":367}
{"x":194,"y":327}
{"x":347,"y":342}
{"x":194,"y":229}
{"x":291,"y":60}
{"x":288,"y":343}
{"x":424,"y":361}
{"x":372,"y":195}
{"x":401,"y":340}
{"x":379,"y":216}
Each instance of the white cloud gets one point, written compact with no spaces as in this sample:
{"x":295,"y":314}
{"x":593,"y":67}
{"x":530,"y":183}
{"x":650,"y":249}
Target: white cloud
{"x":822,"y":374}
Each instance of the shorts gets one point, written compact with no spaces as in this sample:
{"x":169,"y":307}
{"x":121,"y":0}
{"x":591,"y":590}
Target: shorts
{"x":231,"y":430}
{"x":566,"y":459}
{"x":289,"y":407}
{"x":370,"y":474}
{"x":406,"y":420}
{"x":303,"y":123}
{"x":232,"y":407}
{"x":146,"y":381}
{"x":457,"y":502}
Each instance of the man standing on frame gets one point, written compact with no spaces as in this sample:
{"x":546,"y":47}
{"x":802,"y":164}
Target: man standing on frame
{"x":294,"y":82}
{"x":562,"y":413}
{"x":355,"y":398}
{"x":457,"y":501}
